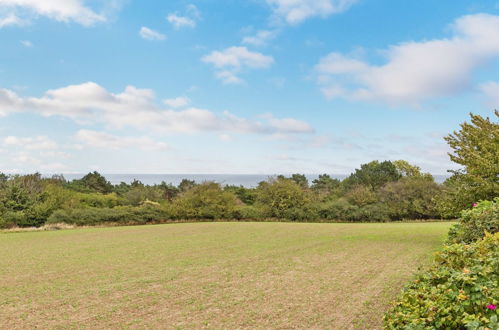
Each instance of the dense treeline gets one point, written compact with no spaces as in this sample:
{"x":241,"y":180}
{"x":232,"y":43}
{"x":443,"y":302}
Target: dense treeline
{"x":377,"y":191}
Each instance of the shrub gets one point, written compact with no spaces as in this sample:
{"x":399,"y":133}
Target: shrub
{"x":483,"y":217}
{"x":305,"y":213}
{"x":278,"y":197}
{"x":12,"y":219}
{"x":371,"y":213}
{"x":339,"y":209}
{"x":205,"y":201}
{"x":411,"y":197}
{"x":247,"y":212}
{"x":120,"y":214}
{"x":99,"y":200}
{"x":459,"y":291}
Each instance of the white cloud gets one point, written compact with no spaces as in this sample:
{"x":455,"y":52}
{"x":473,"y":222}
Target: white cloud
{"x":9,"y":102}
{"x":261,"y":38}
{"x":104,"y":140}
{"x":193,"y":11}
{"x":228,"y":77}
{"x":24,"y":157}
{"x":148,"y":34}
{"x":491,"y":92}
{"x":11,"y":19}
{"x":192,"y":14}
{"x":415,"y":71}
{"x":178,"y":102}
{"x":238,"y":57}
{"x":26,"y":43}
{"x":90,"y":103}
{"x":233,"y":59}
{"x":296,"y":11}
{"x":289,"y":125}
{"x":180,"y":21}
{"x":59,"y":10}
{"x":30,"y":143}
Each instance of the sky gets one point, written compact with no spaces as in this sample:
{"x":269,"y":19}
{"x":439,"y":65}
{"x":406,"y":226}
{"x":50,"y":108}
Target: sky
{"x":240,"y":86}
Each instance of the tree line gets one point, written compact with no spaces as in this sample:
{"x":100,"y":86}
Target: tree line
{"x":376,"y":191}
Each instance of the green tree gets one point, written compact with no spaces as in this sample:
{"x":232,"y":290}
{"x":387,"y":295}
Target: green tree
{"x":245,"y":195}
{"x":92,"y":182}
{"x":373,"y":174}
{"x":325,"y":184}
{"x":476,"y":148}
{"x":186,"y":184}
{"x":300,"y":179}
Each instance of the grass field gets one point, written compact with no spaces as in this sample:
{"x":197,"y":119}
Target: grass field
{"x":210,"y":275}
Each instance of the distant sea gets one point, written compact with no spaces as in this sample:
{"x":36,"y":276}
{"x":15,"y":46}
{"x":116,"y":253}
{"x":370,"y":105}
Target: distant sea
{"x":246,"y":180}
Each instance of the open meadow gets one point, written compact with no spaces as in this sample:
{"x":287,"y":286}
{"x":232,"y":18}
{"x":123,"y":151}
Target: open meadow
{"x":211,"y":275}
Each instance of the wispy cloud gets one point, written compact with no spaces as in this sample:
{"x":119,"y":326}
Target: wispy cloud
{"x":187,"y":20}
{"x":26,"y":43}
{"x":234,"y":59}
{"x":95,"y":139}
{"x":59,"y":10}
{"x":90,"y":103}
{"x":296,"y":11}
{"x":149,"y":34}
{"x":178,"y":102}
{"x":260,"y":38}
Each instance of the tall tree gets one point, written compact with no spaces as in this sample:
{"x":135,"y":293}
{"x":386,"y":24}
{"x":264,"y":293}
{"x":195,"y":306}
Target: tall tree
{"x":476,"y":148}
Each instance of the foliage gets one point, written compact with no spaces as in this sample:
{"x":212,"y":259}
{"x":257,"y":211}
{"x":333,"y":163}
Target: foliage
{"x":186,"y":184}
{"x":281,"y":197}
{"x":300,"y":179}
{"x":374,"y":174}
{"x":92,"y":182}
{"x":325,"y":185}
{"x":476,"y":148}
{"x":205,"y":201}
{"x":339,"y":209}
{"x":412,"y":197}
{"x":120,"y":215}
{"x":245,"y":195}
{"x":460,"y":291}
{"x":361,"y":195}
{"x":474,"y":223}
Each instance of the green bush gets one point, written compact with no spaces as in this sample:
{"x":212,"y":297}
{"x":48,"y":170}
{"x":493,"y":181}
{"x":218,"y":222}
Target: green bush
{"x":205,"y":201}
{"x":305,"y":213}
{"x":247,"y":212}
{"x":411,"y":197}
{"x":277,"y":197}
{"x":121,"y":215}
{"x":460,"y":291}
{"x":339,"y":209}
{"x":371,"y":213}
{"x":483,"y":217}
{"x":12,"y":219}
{"x":99,"y":200}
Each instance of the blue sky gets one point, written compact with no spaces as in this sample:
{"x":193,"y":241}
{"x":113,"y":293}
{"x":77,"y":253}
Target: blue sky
{"x":233,"y":86}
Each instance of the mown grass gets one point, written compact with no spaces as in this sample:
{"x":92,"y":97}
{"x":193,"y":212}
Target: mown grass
{"x":210,"y":275}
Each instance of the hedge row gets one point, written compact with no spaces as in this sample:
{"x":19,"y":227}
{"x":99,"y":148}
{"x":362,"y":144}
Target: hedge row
{"x":461,"y":289}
